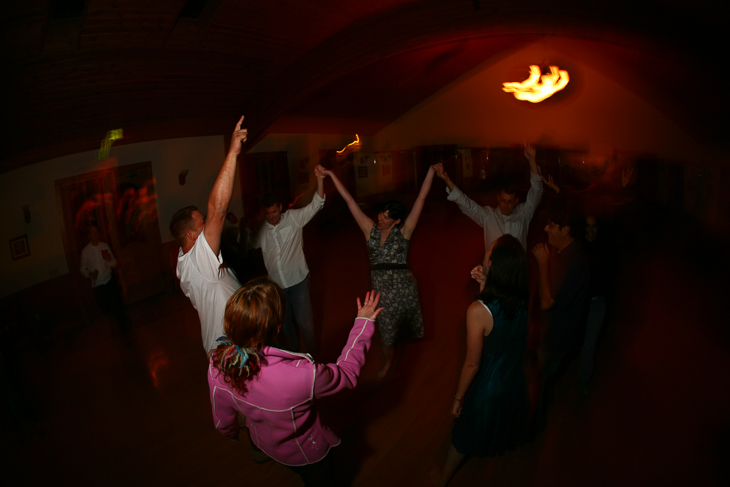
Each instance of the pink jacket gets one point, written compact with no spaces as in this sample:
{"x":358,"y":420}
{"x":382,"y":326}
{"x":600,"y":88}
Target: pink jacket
{"x":279,"y":406}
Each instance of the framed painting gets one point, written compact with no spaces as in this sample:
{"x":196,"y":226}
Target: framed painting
{"x":19,"y":247}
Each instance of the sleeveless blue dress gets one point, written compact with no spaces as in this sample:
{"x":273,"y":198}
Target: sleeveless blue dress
{"x":496,"y":405}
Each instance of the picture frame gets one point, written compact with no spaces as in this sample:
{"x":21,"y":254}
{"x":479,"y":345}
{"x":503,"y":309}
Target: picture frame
{"x":19,"y":247}
{"x":362,"y":171}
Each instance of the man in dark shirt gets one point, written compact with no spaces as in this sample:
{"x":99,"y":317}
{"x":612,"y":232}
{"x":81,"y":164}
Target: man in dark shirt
{"x":563,"y":295}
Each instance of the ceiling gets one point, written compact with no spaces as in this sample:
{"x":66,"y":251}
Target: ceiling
{"x":74,"y":69}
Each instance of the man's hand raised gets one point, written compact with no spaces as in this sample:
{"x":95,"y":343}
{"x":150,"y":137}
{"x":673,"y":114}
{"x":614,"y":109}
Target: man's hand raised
{"x":239,"y":137}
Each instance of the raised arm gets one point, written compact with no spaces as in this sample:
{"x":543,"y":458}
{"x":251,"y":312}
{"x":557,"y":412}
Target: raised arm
{"x":439,"y":169}
{"x":332,"y":378}
{"x":530,"y":155}
{"x":365,"y":223}
{"x":479,"y":323}
{"x":534,"y":195}
{"x":415,"y":214}
{"x":220,"y":195}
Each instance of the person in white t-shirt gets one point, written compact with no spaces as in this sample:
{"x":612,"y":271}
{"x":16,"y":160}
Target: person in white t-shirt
{"x":280,"y":240}
{"x":203,"y":277}
{"x":97,"y":262}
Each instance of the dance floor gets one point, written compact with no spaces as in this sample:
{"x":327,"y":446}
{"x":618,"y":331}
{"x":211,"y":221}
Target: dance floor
{"x":117,"y":415}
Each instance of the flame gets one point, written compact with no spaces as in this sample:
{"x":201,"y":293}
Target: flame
{"x":357,"y":141}
{"x":537,"y":88}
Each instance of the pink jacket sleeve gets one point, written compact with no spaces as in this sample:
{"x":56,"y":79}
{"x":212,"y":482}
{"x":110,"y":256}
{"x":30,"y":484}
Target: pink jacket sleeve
{"x":332,"y":378}
{"x":221,"y":399}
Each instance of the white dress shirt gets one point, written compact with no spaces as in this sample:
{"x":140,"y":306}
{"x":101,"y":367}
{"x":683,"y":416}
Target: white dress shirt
{"x":493,"y":221}
{"x":93,"y":260}
{"x":281,"y":244}
{"x":208,"y":285}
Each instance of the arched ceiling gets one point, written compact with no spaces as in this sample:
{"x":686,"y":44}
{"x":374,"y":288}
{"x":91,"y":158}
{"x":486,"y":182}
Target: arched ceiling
{"x":158,"y":71}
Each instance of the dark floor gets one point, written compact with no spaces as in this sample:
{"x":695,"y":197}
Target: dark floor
{"x":140,"y":415}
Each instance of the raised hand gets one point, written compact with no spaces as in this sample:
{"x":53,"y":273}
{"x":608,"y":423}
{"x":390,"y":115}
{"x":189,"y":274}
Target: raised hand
{"x":529,"y":152}
{"x":239,"y":137}
{"x":541,"y":253}
{"x":551,"y":184}
{"x":479,"y":275}
{"x":370,"y":310}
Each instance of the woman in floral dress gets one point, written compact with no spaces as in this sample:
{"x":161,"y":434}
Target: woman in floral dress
{"x":387,"y":241}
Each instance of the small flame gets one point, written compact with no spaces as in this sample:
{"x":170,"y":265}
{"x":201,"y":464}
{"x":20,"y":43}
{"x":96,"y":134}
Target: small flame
{"x":537,"y":88}
{"x":357,"y":141}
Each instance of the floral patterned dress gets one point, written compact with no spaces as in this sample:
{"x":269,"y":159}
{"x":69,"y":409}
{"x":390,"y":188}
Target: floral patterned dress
{"x":401,"y":319}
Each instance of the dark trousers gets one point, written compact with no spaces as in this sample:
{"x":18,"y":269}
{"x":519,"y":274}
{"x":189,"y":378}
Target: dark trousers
{"x":555,"y":357}
{"x":109,"y":299}
{"x":316,"y":474}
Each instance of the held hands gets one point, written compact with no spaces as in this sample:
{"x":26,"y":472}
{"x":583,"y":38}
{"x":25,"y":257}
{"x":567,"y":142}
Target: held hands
{"x":541,"y":253}
{"x":370,"y":310}
{"x":439,"y":170}
{"x":320,"y":172}
{"x":239,"y":137}
{"x":549,"y":182}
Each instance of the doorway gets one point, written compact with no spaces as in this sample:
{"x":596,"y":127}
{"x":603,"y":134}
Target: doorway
{"x":121,"y":202}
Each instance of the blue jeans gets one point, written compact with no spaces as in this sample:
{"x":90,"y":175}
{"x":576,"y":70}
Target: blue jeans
{"x":594,"y":322}
{"x":299,"y":308}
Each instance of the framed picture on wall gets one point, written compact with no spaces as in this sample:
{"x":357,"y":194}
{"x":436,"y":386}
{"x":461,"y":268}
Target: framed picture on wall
{"x":19,"y":247}
{"x":362,"y":171}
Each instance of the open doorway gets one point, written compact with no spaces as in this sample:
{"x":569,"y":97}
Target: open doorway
{"x":121,"y":202}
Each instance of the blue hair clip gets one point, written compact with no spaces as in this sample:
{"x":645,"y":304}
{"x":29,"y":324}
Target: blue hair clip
{"x":243,"y":354}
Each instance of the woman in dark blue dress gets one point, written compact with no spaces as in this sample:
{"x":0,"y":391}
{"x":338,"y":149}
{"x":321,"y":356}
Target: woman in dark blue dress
{"x":491,"y":401}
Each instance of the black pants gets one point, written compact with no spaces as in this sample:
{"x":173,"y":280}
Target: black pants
{"x":109,"y":299}
{"x":316,"y":474}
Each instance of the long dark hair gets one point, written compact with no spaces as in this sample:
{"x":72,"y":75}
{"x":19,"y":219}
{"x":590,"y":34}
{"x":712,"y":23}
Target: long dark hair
{"x":253,"y":319}
{"x":507,"y":276}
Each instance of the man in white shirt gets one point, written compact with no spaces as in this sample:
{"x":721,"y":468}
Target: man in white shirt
{"x":510,"y":216}
{"x":203,"y":277}
{"x":280,"y":240}
{"x":97,"y":262}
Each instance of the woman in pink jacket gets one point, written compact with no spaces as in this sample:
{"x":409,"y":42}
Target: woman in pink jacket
{"x":276,"y":389}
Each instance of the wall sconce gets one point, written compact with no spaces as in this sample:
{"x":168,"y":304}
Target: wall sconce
{"x":181,"y":177}
{"x":26,"y":213}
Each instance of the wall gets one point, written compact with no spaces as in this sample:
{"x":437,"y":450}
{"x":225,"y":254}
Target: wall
{"x":35,"y":185}
{"x":302,"y":147}
{"x":594,"y":113}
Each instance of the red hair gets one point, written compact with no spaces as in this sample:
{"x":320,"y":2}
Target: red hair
{"x":253,"y":319}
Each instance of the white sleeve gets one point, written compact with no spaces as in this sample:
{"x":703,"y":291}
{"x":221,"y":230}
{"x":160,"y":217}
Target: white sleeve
{"x":302,"y":216}
{"x":534,"y":196}
{"x":479,"y":214}
{"x":205,"y":261}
